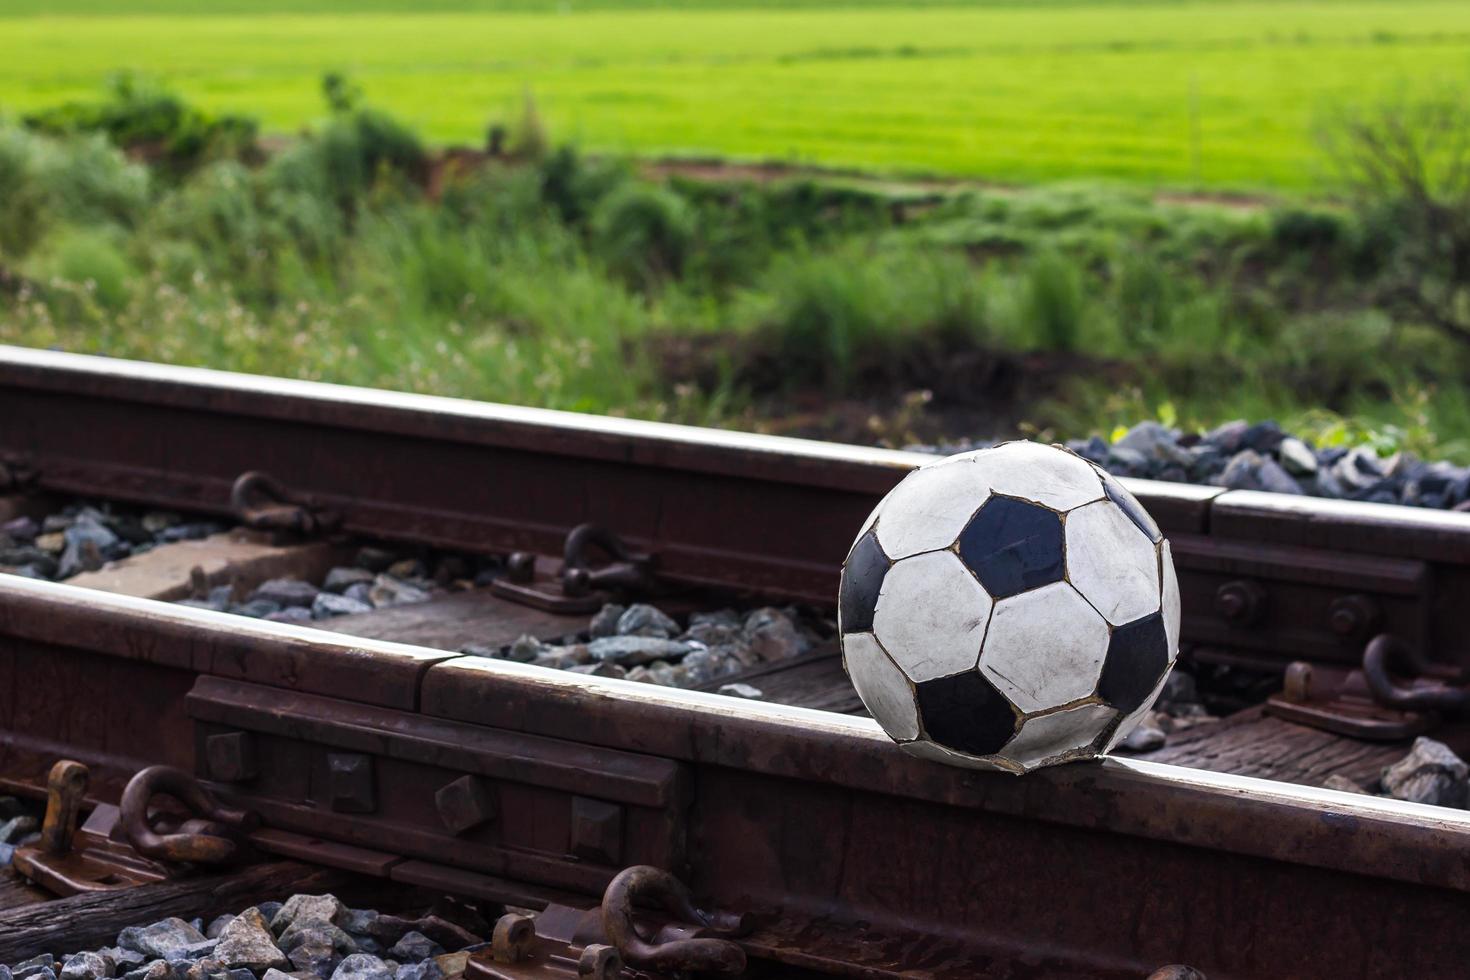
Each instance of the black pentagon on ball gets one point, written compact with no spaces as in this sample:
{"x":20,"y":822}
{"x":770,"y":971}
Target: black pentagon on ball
{"x":966,"y":713}
{"x":1133,"y":509}
{"x":1012,"y":546}
{"x":1138,"y":656}
{"x":862,"y":578}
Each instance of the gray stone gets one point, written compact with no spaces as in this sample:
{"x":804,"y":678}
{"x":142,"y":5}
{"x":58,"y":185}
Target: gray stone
{"x":256,"y":608}
{"x":1146,"y":736}
{"x":560,"y":658}
{"x":424,"y":970}
{"x":604,"y":669}
{"x":359,"y":922}
{"x":216,"y":926}
{"x":773,"y":636}
{"x":605,"y":622}
{"x":88,"y":966}
{"x":125,"y":959}
{"x":1228,"y":438}
{"x":15,"y":828}
{"x":343,"y":577}
{"x":160,"y":520}
{"x":1296,"y":457}
{"x":714,"y":634}
{"x":1275,"y":479}
{"x":291,"y":614}
{"x":32,"y":966}
{"x":703,"y":666}
{"x":414,"y":947}
{"x":37,"y":973}
{"x":286,"y":592}
{"x":741,"y":691}
{"x":387,"y":591}
{"x":308,"y":908}
{"x":527,"y":648}
{"x":247,"y":942}
{"x":642,"y":619}
{"x":188,"y":532}
{"x":1154,"y":442}
{"x":329,"y":604}
{"x":1431,"y":773}
{"x":1179,"y":688}
{"x":1344,"y":785}
{"x":361,"y":592}
{"x":168,"y":939}
{"x":632,"y":651}
{"x":362,"y":966}
{"x":314,"y":952}
{"x":21,"y":529}
{"x":1263,"y":437}
{"x":1127,"y":462}
{"x":1359,"y":469}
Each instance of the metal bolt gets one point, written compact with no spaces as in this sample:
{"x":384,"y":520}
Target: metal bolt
{"x":1352,"y":615}
{"x":597,"y":830}
{"x":1241,"y":602}
{"x":350,"y":782}
{"x":599,"y":962}
{"x":464,"y":803}
{"x":511,"y":940}
{"x":230,"y":757}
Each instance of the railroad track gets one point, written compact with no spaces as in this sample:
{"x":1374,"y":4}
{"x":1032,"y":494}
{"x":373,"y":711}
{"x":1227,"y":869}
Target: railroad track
{"x":393,"y":766}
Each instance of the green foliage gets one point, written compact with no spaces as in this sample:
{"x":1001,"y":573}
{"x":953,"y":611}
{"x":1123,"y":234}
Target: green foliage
{"x":45,"y":183}
{"x":644,"y":232}
{"x":830,"y":319}
{"x":136,"y":113}
{"x":89,"y":259}
{"x":1054,"y":304}
{"x":1004,"y":90}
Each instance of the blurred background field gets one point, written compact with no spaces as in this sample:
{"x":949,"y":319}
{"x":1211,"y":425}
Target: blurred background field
{"x":1212,"y":93}
{"x":904,"y":224}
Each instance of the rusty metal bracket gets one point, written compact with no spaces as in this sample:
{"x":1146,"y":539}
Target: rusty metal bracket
{"x":1395,"y":694}
{"x":263,"y":503}
{"x":578,"y":586}
{"x":218,"y":838}
{"x":681,"y":945}
{"x":69,"y":861}
{"x":619,"y":940}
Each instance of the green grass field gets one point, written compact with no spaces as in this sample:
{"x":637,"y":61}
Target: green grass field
{"x":1211,"y":94}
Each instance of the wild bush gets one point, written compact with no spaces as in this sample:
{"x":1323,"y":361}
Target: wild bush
{"x":644,"y":232}
{"x":137,"y":114}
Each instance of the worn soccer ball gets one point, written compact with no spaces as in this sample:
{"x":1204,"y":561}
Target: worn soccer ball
{"x":1009,"y":608}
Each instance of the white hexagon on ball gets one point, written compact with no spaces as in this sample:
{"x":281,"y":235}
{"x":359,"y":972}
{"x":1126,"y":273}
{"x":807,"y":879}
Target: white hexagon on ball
{"x":1111,"y":562}
{"x":1045,"y":647}
{"x":928,"y":509}
{"x":931,"y":615}
{"x":1008,"y":609}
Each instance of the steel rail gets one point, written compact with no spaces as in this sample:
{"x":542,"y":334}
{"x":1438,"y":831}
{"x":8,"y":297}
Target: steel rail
{"x":854,"y":856}
{"x":1265,"y":578}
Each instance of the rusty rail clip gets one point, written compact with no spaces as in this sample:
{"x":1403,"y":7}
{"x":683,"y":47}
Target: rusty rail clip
{"x":263,"y":503}
{"x":618,"y":939}
{"x":1395,"y":694}
{"x":216,"y":836}
{"x":578,"y":586}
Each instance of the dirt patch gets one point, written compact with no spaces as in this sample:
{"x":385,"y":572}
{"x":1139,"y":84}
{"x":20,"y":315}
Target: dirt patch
{"x":931,"y":397}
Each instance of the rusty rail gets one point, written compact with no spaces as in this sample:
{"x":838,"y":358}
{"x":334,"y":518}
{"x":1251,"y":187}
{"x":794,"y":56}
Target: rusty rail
{"x":422,"y":767}
{"x":849,"y":855}
{"x":1265,"y":579}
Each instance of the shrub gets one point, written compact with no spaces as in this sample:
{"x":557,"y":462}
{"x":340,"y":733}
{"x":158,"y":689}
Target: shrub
{"x":1053,"y":304}
{"x":644,"y":232}
{"x":137,"y":114}
{"x":88,"y":258}
{"x":827,"y":318}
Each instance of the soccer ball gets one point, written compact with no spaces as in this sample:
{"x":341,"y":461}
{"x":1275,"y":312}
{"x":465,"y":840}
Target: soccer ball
{"x":1009,"y":608}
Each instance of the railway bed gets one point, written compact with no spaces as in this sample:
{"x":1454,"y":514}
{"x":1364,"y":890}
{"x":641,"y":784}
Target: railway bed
{"x":369,"y":747}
